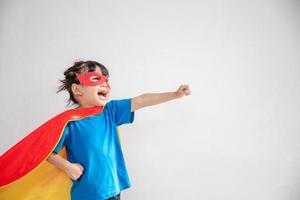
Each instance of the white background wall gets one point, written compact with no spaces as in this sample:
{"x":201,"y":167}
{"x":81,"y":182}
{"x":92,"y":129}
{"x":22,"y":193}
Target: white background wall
{"x":236,"y":137}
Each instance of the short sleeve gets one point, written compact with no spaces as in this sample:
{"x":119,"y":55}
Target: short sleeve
{"x":121,"y":111}
{"x":62,"y":140}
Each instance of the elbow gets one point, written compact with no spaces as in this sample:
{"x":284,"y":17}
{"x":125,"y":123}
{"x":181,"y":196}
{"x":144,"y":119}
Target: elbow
{"x":51,"y":156}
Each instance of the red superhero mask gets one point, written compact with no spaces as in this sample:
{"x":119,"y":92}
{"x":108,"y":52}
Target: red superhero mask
{"x":92,"y":79}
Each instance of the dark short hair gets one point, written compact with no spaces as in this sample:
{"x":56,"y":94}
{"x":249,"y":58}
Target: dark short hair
{"x":70,"y":76}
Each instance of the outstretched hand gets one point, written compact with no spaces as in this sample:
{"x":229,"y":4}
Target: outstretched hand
{"x":183,"y":90}
{"x":150,"y":99}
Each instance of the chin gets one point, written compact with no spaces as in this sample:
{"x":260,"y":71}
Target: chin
{"x":101,"y":103}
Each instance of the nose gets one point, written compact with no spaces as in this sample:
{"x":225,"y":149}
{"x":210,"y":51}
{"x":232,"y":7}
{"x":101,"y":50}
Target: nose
{"x":105,"y":84}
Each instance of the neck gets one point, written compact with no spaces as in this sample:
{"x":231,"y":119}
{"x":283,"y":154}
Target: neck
{"x":87,"y":106}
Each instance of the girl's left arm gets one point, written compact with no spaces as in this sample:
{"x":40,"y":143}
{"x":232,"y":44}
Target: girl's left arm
{"x":150,"y":99}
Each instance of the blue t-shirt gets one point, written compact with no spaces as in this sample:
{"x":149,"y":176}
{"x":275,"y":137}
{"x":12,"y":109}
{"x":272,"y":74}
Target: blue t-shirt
{"x":94,"y":143}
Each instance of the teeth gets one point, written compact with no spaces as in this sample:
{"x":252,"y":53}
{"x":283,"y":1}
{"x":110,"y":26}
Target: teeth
{"x":102,"y":94}
{"x":102,"y":97}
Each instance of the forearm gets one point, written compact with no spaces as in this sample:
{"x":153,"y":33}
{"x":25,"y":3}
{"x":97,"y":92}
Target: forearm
{"x":58,"y":161}
{"x":150,"y":99}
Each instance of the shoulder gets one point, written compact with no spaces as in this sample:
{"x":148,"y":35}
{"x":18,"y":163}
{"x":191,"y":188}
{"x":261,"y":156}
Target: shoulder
{"x":117,"y":103}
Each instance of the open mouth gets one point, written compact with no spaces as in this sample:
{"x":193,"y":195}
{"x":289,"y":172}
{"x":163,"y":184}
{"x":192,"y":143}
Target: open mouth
{"x":102,"y":94}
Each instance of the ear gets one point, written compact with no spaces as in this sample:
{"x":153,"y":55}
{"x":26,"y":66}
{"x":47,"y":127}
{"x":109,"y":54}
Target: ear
{"x":76,"y":89}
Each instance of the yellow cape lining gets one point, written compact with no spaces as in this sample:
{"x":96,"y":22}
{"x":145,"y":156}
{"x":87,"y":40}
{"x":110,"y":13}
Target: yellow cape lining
{"x":45,"y":182}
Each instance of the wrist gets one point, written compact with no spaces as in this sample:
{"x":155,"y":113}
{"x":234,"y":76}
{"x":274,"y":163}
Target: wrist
{"x":65,"y":165}
{"x":177,"y":95}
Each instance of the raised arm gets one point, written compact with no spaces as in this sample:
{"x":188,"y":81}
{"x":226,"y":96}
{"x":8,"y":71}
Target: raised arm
{"x":150,"y":99}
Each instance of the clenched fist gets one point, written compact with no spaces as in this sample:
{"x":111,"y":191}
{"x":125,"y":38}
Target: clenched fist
{"x":74,"y":171}
{"x":183,"y":90}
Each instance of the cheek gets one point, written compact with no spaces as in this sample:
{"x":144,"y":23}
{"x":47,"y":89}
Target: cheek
{"x":93,"y":89}
{"x":90,"y":92}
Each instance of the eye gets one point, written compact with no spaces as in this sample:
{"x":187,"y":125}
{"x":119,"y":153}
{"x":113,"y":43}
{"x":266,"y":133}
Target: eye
{"x":95,"y":78}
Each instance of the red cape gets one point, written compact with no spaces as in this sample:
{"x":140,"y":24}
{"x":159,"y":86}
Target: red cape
{"x":18,"y":164}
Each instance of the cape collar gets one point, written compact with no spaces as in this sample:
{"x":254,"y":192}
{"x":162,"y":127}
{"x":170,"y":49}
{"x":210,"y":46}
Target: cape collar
{"x":81,"y":112}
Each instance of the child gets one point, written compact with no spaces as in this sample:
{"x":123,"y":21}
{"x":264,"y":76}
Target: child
{"x":95,"y":162}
